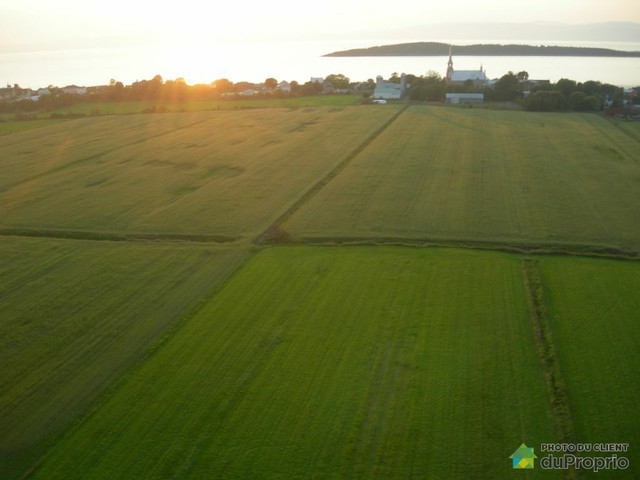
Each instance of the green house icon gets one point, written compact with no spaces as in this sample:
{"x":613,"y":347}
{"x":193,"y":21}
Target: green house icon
{"x":523,"y":457}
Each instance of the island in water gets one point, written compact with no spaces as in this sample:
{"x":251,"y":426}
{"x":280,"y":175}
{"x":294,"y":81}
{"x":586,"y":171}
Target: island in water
{"x":435,"y":49}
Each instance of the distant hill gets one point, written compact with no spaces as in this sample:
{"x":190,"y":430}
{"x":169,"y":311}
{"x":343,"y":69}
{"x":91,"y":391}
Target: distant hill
{"x":547,"y":32}
{"x":428,"y":49}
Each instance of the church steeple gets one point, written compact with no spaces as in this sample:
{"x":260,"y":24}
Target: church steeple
{"x":449,"y":67}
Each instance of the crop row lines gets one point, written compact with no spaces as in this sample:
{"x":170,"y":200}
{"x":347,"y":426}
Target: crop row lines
{"x":95,"y":156}
{"x":266,"y":236}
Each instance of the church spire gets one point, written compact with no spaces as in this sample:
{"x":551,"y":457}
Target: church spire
{"x":449,"y":67}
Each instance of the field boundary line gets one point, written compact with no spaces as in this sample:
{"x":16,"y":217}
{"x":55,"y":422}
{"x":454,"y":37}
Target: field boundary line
{"x":148,"y":351}
{"x":275,"y":227}
{"x":115,"y":237}
{"x":547,"y":355}
{"x":587,"y":251}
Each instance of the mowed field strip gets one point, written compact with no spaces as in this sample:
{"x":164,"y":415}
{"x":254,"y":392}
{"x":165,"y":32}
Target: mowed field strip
{"x":225,"y":173}
{"x":483,"y":175}
{"x":330,"y":363}
{"x":75,"y":315}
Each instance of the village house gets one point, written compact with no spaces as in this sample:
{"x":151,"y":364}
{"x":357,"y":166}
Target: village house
{"x":7,"y":93}
{"x":74,"y":90}
{"x":284,"y":86}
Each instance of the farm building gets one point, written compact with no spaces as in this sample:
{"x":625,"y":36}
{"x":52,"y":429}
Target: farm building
{"x":389,"y":90}
{"x":74,"y":90}
{"x":467,"y":98}
{"x":458,"y":77}
{"x":248,"y":92}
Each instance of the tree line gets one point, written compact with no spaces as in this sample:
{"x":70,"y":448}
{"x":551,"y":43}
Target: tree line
{"x":173,"y":91}
{"x":563,"y":95}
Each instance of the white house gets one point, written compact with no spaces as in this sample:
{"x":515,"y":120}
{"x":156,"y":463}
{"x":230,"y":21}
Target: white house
{"x":284,"y":86}
{"x":74,"y":90}
{"x":317,"y":79}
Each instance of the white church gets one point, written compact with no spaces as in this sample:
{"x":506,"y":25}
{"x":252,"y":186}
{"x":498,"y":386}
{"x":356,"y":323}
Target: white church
{"x":459,"y":77}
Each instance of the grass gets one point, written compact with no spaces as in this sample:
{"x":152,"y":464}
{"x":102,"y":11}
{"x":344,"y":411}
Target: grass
{"x":485,"y":175}
{"x":128,"y":351}
{"x":13,"y":126}
{"x":219,"y":173}
{"x":75,"y":316}
{"x":122,"y":108}
{"x":331,"y":363}
{"x":594,"y":307}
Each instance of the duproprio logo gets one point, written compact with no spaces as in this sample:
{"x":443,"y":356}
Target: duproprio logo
{"x":523,"y":457}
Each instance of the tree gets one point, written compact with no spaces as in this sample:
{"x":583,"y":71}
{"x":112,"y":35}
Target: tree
{"x":576,"y":101}
{"x":546,"y":101}
{"x":566,"y":86}
{"x":591,"y":87}
{"x":433,"y":77}
{"x":523,"y":75}
{"x":271,"y":83}
{"x":310,"y":88}
{"x":435,"y":92}
{"x":592,"y":103}
{"x":417,"y":93}
{"x":223,"y":85}
{"x":338,"y":81}
{"x":508,"y":87}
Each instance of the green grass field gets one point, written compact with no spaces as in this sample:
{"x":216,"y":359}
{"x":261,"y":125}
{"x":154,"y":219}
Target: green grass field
{"x":128,"y":351}
{"x":331,"y":363}
{"x":122,"y":108}
{"x":225,"y":173}
{"x":595,"y":307}
{"x":13,"y":126}
{"x":484,"y":175}
{"x":75,"y":316}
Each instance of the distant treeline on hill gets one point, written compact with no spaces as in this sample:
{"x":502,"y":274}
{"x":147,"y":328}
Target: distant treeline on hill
{"x":428,"y":49}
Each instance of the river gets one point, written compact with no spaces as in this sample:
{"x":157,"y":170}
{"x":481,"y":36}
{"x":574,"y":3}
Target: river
{"x":255,"y":61}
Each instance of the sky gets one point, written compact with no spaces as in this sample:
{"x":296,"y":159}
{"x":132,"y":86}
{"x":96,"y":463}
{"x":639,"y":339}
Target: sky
{"x":37,"y":24}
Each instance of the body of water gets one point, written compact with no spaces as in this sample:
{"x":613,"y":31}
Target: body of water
{"x":254,"y":62}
